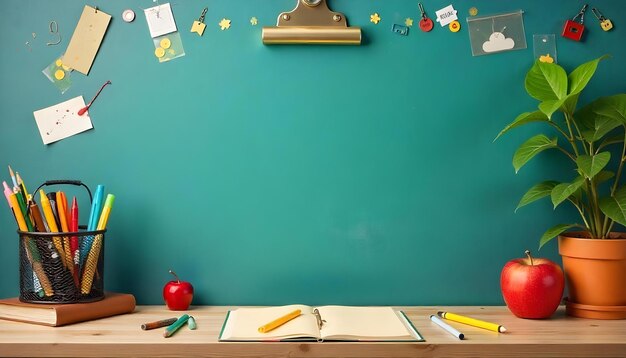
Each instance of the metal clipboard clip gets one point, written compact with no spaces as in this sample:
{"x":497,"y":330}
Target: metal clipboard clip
{"x":318,"y":316}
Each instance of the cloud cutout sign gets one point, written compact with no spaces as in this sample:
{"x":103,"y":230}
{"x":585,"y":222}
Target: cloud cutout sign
{"x":497,"y":42}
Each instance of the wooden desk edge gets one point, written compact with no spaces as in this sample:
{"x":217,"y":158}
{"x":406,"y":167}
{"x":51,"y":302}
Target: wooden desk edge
{"x":120,"y":336}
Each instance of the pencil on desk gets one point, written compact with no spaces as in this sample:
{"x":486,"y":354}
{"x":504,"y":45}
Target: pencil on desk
{"x":472,"y":321}
{"x":279,"y":321}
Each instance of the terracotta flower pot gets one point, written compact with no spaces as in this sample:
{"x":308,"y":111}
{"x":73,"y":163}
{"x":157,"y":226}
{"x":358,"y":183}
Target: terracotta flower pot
{"x":595,"y":272}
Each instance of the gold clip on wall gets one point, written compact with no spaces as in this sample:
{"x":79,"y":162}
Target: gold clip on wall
{"x":311,"y":23}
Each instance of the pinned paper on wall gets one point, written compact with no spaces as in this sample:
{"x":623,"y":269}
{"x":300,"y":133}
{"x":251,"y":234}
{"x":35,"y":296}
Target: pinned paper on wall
{"x":544,"y":48}
{"x":168,"y":44}
{"x":62,"y":120}
{"x":86,"y":40}
{"x":446,"y":15}
{"x":496,"y":33}
{"x":160,"y":20}
{"x":59,"y":74}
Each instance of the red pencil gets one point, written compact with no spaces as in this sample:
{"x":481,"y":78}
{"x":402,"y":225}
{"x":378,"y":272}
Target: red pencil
{"x":74,"y":240}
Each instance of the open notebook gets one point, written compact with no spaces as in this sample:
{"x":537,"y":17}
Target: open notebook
{"x":338,"y":323}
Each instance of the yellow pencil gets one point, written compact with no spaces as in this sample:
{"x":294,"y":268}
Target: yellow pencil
{"x":52,"y":225}
{"x":62,"y":211}
{"x":19,"y":216}
{"x":94,"y":252}
{"x":279,"y":321}
{"x":472,"y":321}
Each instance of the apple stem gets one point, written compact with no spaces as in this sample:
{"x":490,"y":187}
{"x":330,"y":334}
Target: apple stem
{"x":527,"y":252}
{"x":175,"y":275}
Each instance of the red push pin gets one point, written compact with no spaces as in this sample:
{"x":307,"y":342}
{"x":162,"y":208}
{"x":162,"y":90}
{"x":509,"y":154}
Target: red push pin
{"x":84,"y":109}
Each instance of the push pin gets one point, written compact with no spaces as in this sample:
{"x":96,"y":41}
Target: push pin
{"x":199,"y":25}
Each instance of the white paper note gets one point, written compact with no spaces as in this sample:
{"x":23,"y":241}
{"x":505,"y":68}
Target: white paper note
{"x":62,"y":120}
{"x":446,"y":15}
{"x":160,"y":20}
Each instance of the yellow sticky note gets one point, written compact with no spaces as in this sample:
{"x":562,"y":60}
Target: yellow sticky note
{"x":86,"y":39}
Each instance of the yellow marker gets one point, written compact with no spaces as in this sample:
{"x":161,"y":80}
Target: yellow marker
{"x":472,"y":321}
{"x":279,"y":321}
{"x":94,"y":253}
{"x":106,"y":211}
{"x":165,"y":43}
{"x":52,"y":225}
{"x":59,"y":63}
{"x":159,"y":52}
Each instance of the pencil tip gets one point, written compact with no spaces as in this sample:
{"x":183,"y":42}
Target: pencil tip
{"x":502,"y":329}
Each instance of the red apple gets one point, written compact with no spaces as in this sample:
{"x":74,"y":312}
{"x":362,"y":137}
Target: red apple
{"x":177,"y":294}
{"x":532,"y":287}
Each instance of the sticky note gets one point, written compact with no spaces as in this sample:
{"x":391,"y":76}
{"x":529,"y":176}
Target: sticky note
{"x":86,"y":39}
{"x":160,"y":20}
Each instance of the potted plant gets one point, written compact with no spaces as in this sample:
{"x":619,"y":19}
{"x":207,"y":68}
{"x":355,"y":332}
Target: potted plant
{"x":592,"y":139}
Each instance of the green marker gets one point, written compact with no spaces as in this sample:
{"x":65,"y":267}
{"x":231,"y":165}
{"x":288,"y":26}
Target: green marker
{"x":171,"y":329}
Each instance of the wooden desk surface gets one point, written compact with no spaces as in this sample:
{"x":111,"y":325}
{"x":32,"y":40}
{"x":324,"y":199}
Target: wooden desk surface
{"x":121,"y":336}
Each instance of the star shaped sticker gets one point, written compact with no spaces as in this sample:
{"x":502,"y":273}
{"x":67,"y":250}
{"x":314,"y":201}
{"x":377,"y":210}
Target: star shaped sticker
{"x":375,"y":18}
{"x":254,"y":21}
{"x":408,"y":22}
{"x":224,"y":24}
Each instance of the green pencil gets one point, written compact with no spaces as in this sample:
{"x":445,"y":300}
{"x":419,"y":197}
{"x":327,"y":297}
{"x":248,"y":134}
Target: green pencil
{"x":171,"y":329}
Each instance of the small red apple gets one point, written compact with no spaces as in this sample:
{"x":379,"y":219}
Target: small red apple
{"x":532,"y":287}
{"x":177,"y":294}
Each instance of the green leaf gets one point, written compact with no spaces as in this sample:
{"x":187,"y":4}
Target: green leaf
{"x":569,"y":105}
{"x":530,"y":148}
{"x":604,"y":176}
{"x":554,"y":232}
{"x":551,"y":106}
{"x":561,"y":192}
{"x":615,"y":206}
{"x":546,"y":81}
{"x":601,"y":116}
{"x":592,"y":165}
{"x":522,"y":119}
{"x":579,"y":78}
{"x":537,"y":192}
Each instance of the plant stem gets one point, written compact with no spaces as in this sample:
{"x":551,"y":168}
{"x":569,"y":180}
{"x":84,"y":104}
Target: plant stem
{"x":567,"y":153}
{"x":556,"y":126}
{"x":571,"y":138}
{"x":580,"y":211}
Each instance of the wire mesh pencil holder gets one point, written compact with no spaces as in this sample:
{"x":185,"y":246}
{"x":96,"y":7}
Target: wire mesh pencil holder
{"x":61,"y":267}
{"x":49,"y":273}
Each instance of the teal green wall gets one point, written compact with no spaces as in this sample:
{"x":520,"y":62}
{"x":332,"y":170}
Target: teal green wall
{"x":274,"y":175}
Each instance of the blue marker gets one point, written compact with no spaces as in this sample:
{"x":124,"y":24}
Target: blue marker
{"x":94,"y":216}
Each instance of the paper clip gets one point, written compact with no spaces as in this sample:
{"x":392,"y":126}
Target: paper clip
{"x":581,"y":14}
{"x":422,"y":10}
{"x":201,"y":19}
{"x":54,"y":29}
